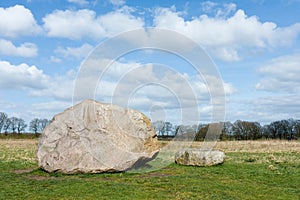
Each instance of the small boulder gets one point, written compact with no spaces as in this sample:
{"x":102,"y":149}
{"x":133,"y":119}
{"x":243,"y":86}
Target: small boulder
{"x":93,"y":137}
{"x":199,"y":157}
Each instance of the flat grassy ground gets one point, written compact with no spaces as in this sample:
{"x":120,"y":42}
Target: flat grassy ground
{"x":252,"y":170}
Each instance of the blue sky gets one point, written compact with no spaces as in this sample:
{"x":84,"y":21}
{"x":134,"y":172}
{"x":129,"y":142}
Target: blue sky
{"x":254,"y":44}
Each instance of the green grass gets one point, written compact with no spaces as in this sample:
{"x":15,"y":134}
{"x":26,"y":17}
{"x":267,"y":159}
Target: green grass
{"x":242,"y":176}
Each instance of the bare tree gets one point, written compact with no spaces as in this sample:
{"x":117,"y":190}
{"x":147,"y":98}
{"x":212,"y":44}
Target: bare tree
{"x":6,"y":125}
{"x":158,"y":127}
{"x":34,"y":125}
{"x":21,"y":125}
{"x":43,"y":123}
{"x":37,"y":125}
{"x":13,"y":124}
{"x":246,"y":130}
{"x":3,"y":117}
{"x":167,"y":128}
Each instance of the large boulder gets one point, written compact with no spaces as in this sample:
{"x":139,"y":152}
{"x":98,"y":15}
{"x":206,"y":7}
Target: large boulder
{"x":93,"y":137}
{"x":199,"y":157}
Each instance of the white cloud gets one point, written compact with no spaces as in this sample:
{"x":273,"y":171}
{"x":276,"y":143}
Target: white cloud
{"x":127,"y":84}
{"x":42,"y":108}
{"x":265,"y":109}
{"x":21,"y":76}
{"x":24,"y":50}
{"x":6,"y":105}
{"x":55,"y":59}
{"x":277,"y":107}
{"x":17,"y":21}
{"x":208,"y":6}
{"x":77,"y":52}
{"x":48,"y":109}
{"x":281,"y":74}
{"x":143,"y":85}
{"x":228,"y":9}
{"x":150,"y":85}
{"x":35,"y":82}
{"x":226,"y":37}
{"x":113,"y":25}
{"x":219,"y":10}
{"x":80,"y":2}
{"x":72,"y":24}
{"x":225,"y":53}
{"x":57,"y":87}
{"x":85,"y":23}
{"x":117,"y":2}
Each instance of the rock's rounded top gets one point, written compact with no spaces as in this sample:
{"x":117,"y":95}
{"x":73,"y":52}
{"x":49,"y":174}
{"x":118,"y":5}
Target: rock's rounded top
{"x":92,"y":137}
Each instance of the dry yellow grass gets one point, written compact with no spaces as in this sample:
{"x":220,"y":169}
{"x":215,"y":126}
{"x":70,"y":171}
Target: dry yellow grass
{"x":264,"y":146}
{"x":18,"y":149}
{"x":270,"y":146}
{"x":18,"y":142}
{"x":271,"y":152}
{"x":25,"y":149}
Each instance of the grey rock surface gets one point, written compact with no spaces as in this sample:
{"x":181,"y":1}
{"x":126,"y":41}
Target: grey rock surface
{"x":92,"y":137}
{"x":199,"y":157}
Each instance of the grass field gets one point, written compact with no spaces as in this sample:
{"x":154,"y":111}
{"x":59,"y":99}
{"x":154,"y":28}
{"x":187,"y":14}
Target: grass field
{"x":252,"y":170}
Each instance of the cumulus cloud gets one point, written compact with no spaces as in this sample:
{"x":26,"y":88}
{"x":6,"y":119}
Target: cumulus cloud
{"x":132,"y":84}
{"x":142,"y":86}
{"x":72,"y":24}
{"x":85,"y":23}
{"x":35,"y":82}
{"x":226,"y":36}
{"x":24,"y":50}
{"x":59,"y":87}
{"x":151,"y":85}
{"x":281,"y":74}
{"x":17,"y":21}
{"x":265,"y":109}
{"x":273,"y":108}
{"x":77,"y":52}
{"x":218,"y":10}
{"x":119,"y":80}
{"x":21,"y":76}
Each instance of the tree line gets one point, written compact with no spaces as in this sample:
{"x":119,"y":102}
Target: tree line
{"x":17,"y":125}
{"x":239,"y":130}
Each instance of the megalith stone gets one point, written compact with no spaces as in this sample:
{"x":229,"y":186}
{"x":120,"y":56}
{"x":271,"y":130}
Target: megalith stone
{"x":93,"y":137}
{"x":199,"y":157}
